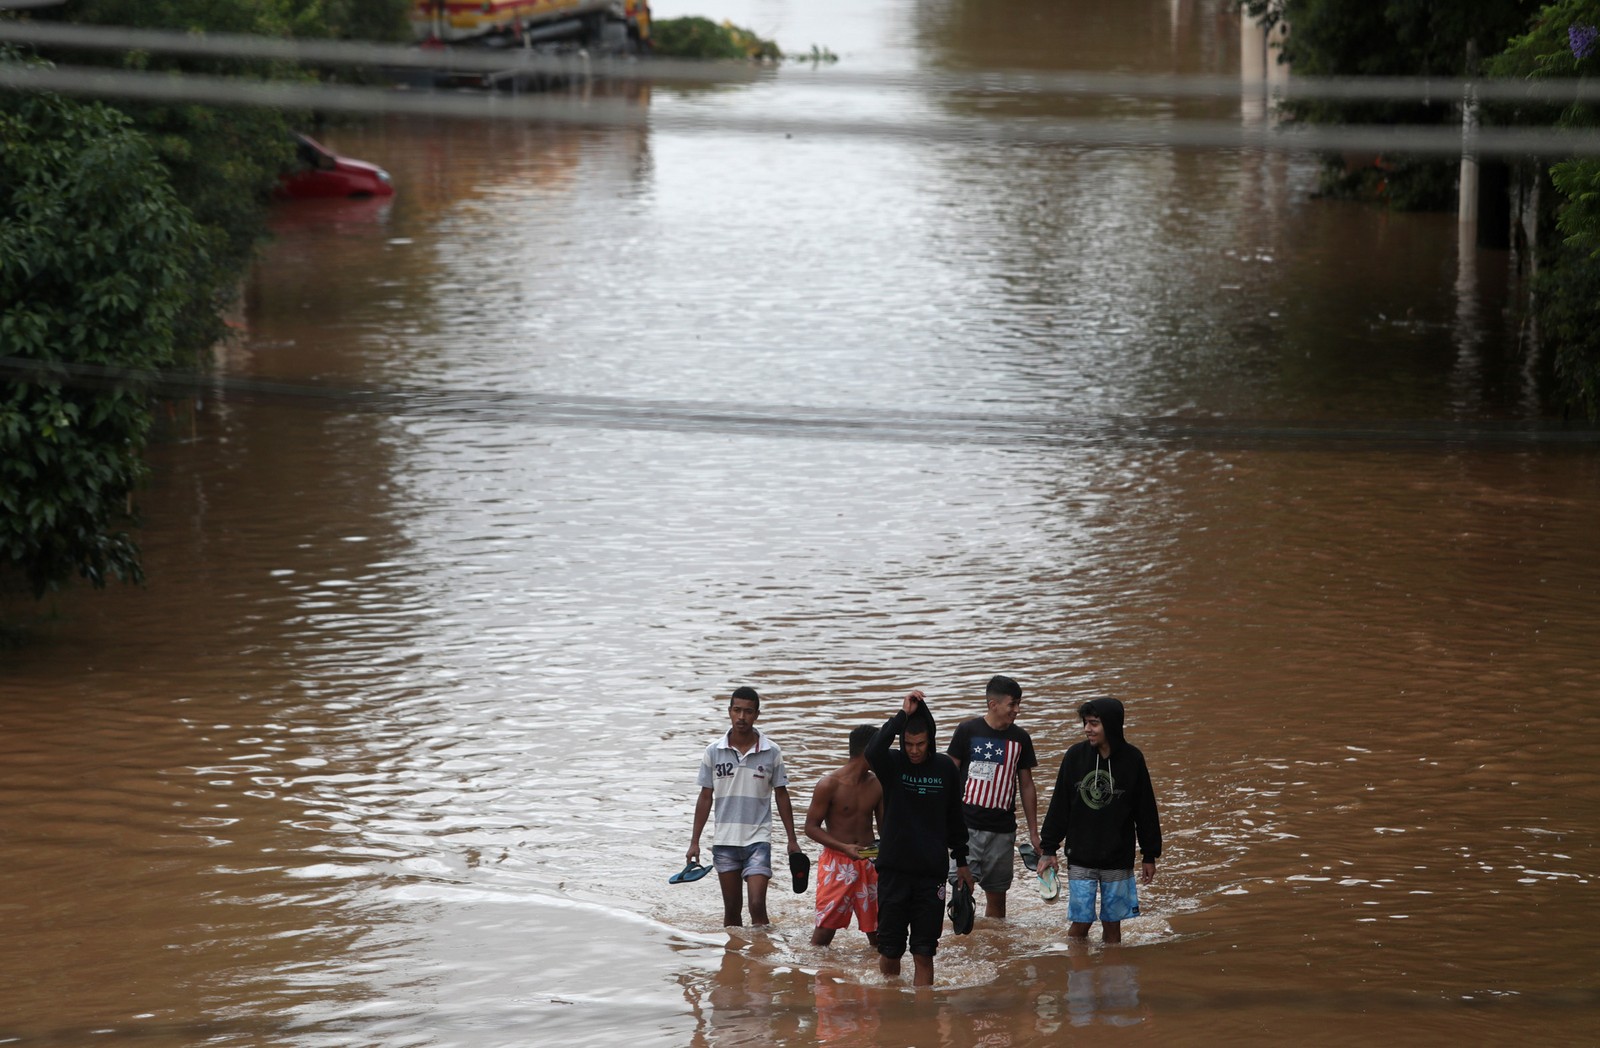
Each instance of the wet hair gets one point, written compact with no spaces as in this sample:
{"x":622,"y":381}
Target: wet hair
{"x":919,"y":723}
{"x":1003,"y":687}
{"x":859,"y":737}
{"x":1087,"y":710}
{"x":747,"y":693}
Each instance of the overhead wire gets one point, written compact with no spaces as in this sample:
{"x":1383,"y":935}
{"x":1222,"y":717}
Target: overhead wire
{"x":1000,"y":429}
{"x":611,"y":112}
{"x":1447,"y":90}
{"x":1164,"y":131}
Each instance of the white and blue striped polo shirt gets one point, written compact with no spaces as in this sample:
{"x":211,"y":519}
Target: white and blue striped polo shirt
{"x":741,"y":788}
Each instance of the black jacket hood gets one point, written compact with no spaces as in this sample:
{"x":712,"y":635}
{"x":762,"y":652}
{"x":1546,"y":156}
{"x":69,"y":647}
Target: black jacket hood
{"x":933,"y":729}
{"x":1110,"y":713}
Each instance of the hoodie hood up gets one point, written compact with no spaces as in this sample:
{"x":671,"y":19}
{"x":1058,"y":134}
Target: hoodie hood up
{"x":933,"y":729}
{"x":1110,"y":713}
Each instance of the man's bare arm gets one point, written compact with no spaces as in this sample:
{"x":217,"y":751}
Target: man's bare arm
{"x":786,"y":813}
{"x":1030,"y":805}
{"x":702,"y":810}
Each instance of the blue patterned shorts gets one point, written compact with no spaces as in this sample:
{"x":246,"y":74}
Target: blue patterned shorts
{"x":1118,"y":890}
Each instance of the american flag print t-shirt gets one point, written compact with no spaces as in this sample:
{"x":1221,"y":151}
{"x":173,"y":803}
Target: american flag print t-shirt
{"x":990,"y":761}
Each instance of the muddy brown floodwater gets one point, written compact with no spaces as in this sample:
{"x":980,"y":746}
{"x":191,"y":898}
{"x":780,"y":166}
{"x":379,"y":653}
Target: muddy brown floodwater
{"x":398,"y":745}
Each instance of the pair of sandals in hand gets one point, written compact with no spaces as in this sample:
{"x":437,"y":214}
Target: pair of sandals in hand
{"x":799,"y":870}
{"x":1049,"y":884}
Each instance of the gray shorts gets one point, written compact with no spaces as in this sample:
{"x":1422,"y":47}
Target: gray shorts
{"x":751,"y":860}
{"x":989,"y":856}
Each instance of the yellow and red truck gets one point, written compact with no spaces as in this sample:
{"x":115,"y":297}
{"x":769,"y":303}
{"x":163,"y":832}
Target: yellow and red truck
{"x":613,"y":24}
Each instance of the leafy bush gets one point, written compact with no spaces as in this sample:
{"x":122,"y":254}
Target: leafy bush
{"x":1567,"y":294}
{"x":1561,"y":43}
{"x":223,"y":162}
{"x":695,"y":37}
{"x":122,"y":237}
{"x":1406,"y":183}
{"x":96,"y":259}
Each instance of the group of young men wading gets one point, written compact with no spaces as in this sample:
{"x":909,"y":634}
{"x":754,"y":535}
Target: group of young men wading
{"x":898,"y":825}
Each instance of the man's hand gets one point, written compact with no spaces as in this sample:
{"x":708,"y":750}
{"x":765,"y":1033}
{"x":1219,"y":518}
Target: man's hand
{"x":912,"y":701}
{"x":794,"y":844}
{"x":693,"y":854}
{"x":1147,"y":873}
{"x":1047,"y":862}
{"x":964,"y":875}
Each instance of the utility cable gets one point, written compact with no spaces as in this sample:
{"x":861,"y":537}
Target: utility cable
{"x":947,"y":428}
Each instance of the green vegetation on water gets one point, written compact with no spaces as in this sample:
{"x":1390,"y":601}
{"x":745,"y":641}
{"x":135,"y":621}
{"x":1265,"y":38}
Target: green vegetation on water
{"x":695,"y":37}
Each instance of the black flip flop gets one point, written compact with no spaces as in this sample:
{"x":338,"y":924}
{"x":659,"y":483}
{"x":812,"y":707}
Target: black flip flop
{"x":962,"y":909}
{"x":800,"y":867}
{"x":692,"y":871}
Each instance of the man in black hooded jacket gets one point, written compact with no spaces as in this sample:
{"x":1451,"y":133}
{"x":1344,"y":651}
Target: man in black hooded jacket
{"x":923,"y":829}
{"x":1103,"y":800}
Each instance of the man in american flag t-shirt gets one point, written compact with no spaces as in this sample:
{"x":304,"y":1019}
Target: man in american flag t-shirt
{"x":996,"y":759}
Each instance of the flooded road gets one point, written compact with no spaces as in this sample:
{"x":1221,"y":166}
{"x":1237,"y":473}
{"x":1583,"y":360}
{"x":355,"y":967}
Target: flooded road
{"x":398,"y":745}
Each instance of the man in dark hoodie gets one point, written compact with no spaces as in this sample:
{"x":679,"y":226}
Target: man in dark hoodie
{"x":1102,"y":801}
{"x":922,"y":830}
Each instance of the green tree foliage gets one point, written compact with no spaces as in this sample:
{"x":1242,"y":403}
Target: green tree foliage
{"x":96,"y":254}
{"x":696,"y":37}
{"x":1567,"y":304}
{"x":1393,"y":38}
{"x":223,"y":162}
{"x":381,"y":20}
{"x":385,"y":21}
{"x":1562,"y":42}
{"x":122,"y":237}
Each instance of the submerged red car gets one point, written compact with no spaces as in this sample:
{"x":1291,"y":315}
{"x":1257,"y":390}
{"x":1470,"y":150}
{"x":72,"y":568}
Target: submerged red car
{"x":320,"y":172}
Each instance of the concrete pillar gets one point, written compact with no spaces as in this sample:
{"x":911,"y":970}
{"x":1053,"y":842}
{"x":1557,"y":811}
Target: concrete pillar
{"x":1260,"y":71}
{"x":1252,"y":68}
{"x":1252,"y":49}
{"x":1467,"y":183}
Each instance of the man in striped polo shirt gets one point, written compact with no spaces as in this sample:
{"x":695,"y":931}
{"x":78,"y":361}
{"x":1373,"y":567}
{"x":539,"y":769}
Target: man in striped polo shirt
{"x":996,"y":759}
{"x":739,"y":775}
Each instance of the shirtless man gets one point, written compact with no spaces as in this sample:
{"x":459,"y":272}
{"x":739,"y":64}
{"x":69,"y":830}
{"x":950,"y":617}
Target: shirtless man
{"x":840,"y":818}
